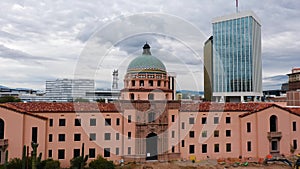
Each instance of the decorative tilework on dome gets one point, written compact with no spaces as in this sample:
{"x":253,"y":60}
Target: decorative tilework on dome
{"x":146,"y":63}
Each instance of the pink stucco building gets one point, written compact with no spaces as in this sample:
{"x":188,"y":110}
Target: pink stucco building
{"x":148,"y":124}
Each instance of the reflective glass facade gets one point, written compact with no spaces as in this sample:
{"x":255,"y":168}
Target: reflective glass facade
{"x":237,"y":55}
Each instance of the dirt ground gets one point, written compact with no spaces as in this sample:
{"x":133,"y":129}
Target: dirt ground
{"x":207,"y":164}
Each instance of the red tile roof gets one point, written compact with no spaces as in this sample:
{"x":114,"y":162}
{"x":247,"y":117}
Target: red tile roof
{"x":22,"y":111}
{"x":209,"y":106}
{"x":61,"y":107}
{"x":111,"y":107}
{"x":293,"y":110}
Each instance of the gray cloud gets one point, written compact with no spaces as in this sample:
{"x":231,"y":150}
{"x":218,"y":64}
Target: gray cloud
{"x":57,"y":31}
{"x":20,"y":56}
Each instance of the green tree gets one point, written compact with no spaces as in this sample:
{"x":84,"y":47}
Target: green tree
{"x":100,"y":100}
{"x":50,"y":164}
{"x":81,"y":100}
{"x":5,"y":99}
{"x":76,"y":163}
{"x":16,"y":163}
{"x":80,"y":161}
{"x":101,"y":163}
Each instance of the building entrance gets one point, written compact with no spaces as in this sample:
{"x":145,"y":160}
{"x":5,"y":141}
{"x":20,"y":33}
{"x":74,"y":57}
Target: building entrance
{"x":151,"y":146}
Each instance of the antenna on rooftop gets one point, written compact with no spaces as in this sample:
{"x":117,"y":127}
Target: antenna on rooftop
{"x":237,"y":5}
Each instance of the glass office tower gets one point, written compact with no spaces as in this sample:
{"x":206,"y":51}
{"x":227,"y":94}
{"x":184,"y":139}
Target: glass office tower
{"x":237,"y":67}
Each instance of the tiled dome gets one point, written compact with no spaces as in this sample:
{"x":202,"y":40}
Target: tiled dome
{"x":146,"y":63}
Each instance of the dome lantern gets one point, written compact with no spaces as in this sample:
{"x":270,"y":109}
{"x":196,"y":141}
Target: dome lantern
{"x":146,"y":63}
{"x":146,"y":49}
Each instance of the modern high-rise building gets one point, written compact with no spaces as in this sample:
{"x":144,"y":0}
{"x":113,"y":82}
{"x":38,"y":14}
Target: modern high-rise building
{"x":68,"y":89}
{"x":208,"y":52}
{"x":236,"y":59}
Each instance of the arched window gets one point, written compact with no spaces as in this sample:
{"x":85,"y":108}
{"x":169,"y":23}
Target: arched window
{"x":273,"y":123}
{"x":150,"y":96}
{"x":1,"y":129}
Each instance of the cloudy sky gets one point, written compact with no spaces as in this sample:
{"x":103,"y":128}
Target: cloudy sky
{"x":50,"y":39}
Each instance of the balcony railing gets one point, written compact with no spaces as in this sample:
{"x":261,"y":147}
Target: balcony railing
{"x":275,"y":134}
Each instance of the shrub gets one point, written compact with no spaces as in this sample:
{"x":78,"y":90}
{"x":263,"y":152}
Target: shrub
{"x":101,"y":163}
{"x":50,"y":164}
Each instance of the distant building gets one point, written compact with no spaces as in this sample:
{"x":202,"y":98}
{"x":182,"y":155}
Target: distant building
{"x":208,"y":76}
{"x":68,"y":89}
{"x":115,"y":85}
{"x":294,"y":79}
{"x":236,"y":61}
{"x":19,"y":92}
{"x":285,"y":86}
{"x":293,"y":98}
{"x":293,"y":94}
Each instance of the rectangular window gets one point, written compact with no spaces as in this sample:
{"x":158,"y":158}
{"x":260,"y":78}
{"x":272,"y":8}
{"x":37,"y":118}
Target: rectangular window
{"x":129,"y":150}
{"x":228,"y":133}
{"x":61,"y":154}
{"x":129,"y":118}
{"x":49,"y":153}
{"x":50,"y":122}
{"x":249,"y":146}
{"x":151,"y":117}
{"x":182,"y":143}
{"x":150,"y":82}
{"x":92,"y":153}
{"x":192,"y":149}
{"x":141,"y":82}
{"x":248,"y":127}
{"x":129,"y":135}
{"x":216,"y":120}
{"x":158,"y":83}
{"x":216,"y":148}
{"x":106,"y":152}
{"x":76,"y":153}
{"x":117,"y":136}
{"x":295,"y":144}
{"x":92,"y":122}
{"x":133,"y":82}
{"x":274,"y":145}
{"x":61,"y":137}
{"x":62,"y":122}
{"x":182,"y":125}
{"x":77,"y":122}
{"x":173,"y":118}
{"x":117,"y":151}
{"x":77,"y":137}
{"x":173,"y":149}
{"x":228,"y":120}
{"x":203,"y":120}
{"x":107,"y":136}
{"x":192,"y":120}
{"x":173,"y":134}
{"x":192,"y":134}
{"x":216,"y":133}
{"x":228,"y":147}
{"x":34,"y":135}
{"x":204,"y":148}
{"x":294,"y":126}
{"x":108,"y":122}
{"x":204,"y":134}
{"x":92,"y":136}
{"x":50,"y":139}
{"x":118,"y":121}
